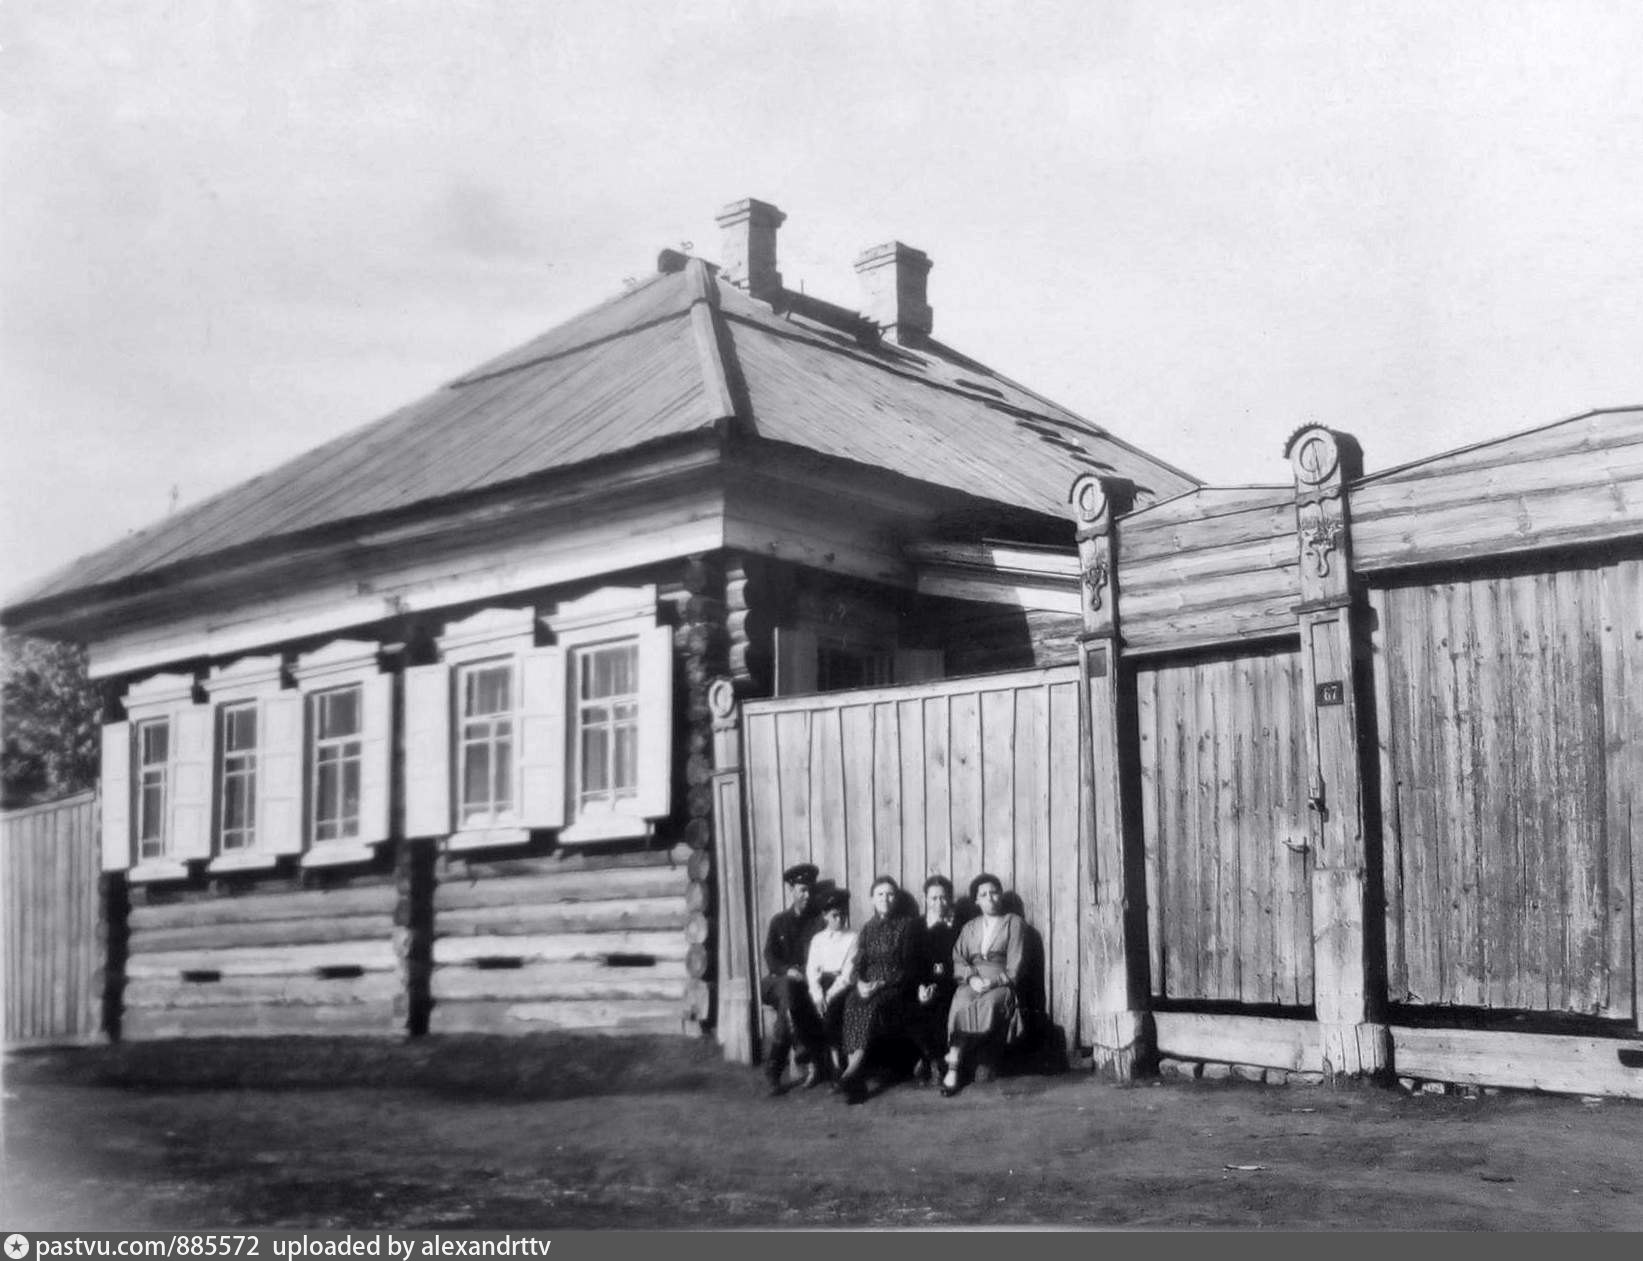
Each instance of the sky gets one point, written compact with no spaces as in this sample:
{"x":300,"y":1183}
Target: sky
{"x":231,"y":231}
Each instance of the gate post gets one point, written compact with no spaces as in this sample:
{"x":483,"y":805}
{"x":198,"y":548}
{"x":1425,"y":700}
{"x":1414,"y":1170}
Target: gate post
{"x":1334,"y":657}
{"x":736,"y":999}
{"x":1120,"y":1026}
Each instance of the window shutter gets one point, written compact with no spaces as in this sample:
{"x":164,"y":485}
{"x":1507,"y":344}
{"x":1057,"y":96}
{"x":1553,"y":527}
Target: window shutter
{"x":917,"y":665}
{"x":428,"y":750}
{"x":279,"y":774}
{"x":116,"y":790}
{"x":656,"y":722}
{"x":376,"y":750}
{"x":191,"y":776}
{"x":796,"y":654}
{"x":542,"y":765}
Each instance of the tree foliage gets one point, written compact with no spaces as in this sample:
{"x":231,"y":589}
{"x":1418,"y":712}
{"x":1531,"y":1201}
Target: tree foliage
{"x":50,"y":717}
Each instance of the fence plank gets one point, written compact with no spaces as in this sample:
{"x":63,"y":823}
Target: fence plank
{"x":1065,"y":851}
{"x":896,"y":849}
{"x":964,"y":767}
{"x":938,"y":818}
{"x":910,"y":784}
{"x":997,"y":767}
{"x":1620,"y":600}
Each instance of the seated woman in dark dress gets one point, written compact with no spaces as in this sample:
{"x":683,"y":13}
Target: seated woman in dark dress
{"x":939,"y":932}
{"x":987,"y":963}
{"x":888,"y":970}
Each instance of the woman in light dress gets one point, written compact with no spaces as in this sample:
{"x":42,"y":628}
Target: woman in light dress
{"x":987,"y":961}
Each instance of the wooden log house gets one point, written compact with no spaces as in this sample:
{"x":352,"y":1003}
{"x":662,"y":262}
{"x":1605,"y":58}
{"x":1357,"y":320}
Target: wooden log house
{"x":412,"y":733}
{"x":506,"y":712}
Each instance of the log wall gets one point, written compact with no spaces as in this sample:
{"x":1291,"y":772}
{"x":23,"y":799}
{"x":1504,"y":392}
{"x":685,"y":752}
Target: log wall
{"x":562,"y":942}
{"x":272,"y":960}
{"x":54,"y":939}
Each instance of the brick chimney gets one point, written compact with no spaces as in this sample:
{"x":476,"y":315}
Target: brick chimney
{"x":894,"y":288}
{"x":749,"y":251}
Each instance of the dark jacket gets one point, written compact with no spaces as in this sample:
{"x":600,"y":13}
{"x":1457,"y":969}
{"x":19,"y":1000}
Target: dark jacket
{"x":787,"y":944}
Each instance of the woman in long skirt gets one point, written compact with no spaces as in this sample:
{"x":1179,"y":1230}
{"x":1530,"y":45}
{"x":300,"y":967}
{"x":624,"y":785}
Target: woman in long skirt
{"x":987,"y":961}
{"x":887,"y":975}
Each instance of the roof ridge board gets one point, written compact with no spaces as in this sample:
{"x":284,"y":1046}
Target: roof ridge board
{"x":477,"y":378}
{"x":1588,"y":414}
{"x":718,"y":394}
{"x":486,"y":369}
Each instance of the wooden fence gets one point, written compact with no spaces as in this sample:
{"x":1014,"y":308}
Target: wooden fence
{"x":1355,"y":786}
{"x":950,"y":778}
{"x":49,"y":860}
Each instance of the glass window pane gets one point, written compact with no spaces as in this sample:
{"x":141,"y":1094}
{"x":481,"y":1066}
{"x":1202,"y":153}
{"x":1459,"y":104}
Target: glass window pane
{"x":350,"y":797}
{"x":476,"y":769}
{"x":325,"y":791}
{"x":627,"y":757}
{"x":502,"y":796}
{"x":595,"y":760}
{"x":152,"y":805}
{"x":489,"y":690}
{"x":156,"y":740}
{"x":339,"y":713}
{"x":240,"y":728}
{"x":234,"y":803}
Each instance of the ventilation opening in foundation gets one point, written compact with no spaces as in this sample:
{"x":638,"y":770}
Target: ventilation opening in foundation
{"x":630,"y":961}
{"x":491,"y":962}
{"x":202,"y":976}
{"x":339,"y":972}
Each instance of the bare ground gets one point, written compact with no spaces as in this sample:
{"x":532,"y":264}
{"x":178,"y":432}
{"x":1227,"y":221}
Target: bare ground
{"x":559,"y":1132}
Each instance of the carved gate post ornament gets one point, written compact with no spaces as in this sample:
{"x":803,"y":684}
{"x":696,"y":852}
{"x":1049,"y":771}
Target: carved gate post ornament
{"x":1320,"y":466}
{"x":1093,"y":510}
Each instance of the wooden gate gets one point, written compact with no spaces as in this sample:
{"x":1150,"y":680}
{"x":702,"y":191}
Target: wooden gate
{"x":1223,"y":774}
{"x":950,"y":778}
{"x":1511,"y":712}
{"x":49,"y":861}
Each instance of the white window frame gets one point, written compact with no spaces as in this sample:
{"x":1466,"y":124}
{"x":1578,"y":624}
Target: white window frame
{"x":142,"y":768}
{"x":612,"y":800}
{"x":342,"y":665}
{"x":491,"y":637}
{"x":498,"y":812}
{"x":236,"y":768}
{"x":340,"y":753}
{"x":167,"y":698}
{"x":256,"y":682}
{"x":606,"y":617}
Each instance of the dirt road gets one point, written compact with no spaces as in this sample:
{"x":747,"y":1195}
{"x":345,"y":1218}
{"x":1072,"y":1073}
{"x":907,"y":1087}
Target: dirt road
{"x":563,"y":1132}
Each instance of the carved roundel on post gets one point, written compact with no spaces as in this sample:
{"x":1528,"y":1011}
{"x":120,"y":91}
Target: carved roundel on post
{"x":721,"y":699}
{"x":1089,"y":499}
{"x":1314,"y":456}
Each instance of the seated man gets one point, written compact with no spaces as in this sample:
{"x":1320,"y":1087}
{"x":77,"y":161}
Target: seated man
{"x":784,"y":986}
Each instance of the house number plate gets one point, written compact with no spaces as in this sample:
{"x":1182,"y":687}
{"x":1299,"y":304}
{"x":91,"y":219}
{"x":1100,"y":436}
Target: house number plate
{"x":1333,"y":693}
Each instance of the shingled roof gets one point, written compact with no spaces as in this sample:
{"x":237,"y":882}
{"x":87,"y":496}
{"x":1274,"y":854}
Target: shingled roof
{"x":681,"y":353}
